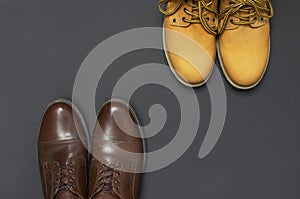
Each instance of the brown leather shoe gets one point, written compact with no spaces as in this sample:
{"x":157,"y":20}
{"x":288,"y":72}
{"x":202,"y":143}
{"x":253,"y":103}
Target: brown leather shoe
{"x":244,"y":42}
{"x":117,"y":157}
{"x":197,"y":21}
{"x":62,"y":156}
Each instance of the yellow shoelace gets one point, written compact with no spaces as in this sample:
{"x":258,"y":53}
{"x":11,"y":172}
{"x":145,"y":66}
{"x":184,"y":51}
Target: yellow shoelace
{"x":250,"y":8}
{"x":200,"y":17}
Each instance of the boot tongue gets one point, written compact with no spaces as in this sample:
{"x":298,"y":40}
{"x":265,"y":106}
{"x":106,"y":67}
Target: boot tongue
{"x":65,"y":194}
{"x":106,"y":195}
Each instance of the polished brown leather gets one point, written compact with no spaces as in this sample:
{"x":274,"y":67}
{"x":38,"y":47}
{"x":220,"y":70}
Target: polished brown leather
{"x":62,"y":155}
{"x":115,"y":173}
{"x":192,"y":65}
{"x":244,"y":49}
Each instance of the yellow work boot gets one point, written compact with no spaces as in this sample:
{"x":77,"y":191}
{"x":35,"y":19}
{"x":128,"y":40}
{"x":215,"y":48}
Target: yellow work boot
{"x":190,"y":29}
{"x":244,"y":41}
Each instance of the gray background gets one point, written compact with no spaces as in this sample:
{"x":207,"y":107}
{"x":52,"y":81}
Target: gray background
{"x":43,"y":43}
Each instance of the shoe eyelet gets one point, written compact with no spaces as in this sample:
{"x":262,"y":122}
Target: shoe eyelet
{"x":183,"y":19}
{"x":231,"y":21}
{"x":207,"y":18}
{"x":71,"y":170}
{"x":174,"y":20}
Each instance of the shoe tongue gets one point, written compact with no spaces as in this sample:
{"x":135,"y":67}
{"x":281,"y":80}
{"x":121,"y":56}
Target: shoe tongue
{"x":65,"y":194}
{"x":106,"y":195}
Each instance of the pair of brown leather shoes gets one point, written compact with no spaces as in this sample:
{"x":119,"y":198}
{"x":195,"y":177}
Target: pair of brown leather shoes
{"x":239,"y":30}
{"x":116,"y":155}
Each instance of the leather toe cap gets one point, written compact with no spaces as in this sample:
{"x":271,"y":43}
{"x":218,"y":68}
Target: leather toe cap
{"x":60,"y":123}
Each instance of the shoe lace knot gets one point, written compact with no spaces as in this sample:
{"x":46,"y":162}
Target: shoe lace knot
{"x":65,"y":176}
{"x":247,"y":11}
{"x":198,"y":12}
{"x":109,"y":178}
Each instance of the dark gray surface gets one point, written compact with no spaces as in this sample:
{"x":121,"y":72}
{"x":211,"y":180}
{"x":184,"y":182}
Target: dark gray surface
{"x":43,"y":43}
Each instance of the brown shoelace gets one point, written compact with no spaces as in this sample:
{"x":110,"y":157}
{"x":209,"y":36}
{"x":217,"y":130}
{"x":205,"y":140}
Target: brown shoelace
{"x":250,"y":9}
{"x":200,"y":9}
{"x":109,"y":174}
{"x":65,"y":178}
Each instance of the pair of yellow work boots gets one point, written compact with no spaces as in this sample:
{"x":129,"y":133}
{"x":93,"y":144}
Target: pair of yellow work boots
{"x":239,"y":30}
